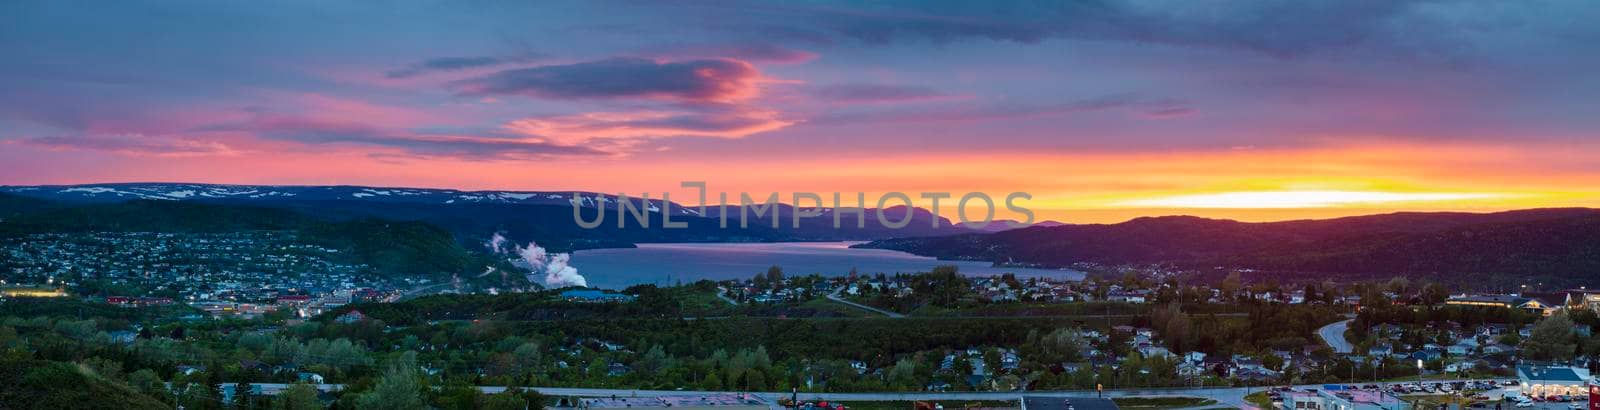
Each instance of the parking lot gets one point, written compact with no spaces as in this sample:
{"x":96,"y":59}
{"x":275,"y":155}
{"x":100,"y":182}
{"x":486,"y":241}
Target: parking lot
{"x":1484,"y":394}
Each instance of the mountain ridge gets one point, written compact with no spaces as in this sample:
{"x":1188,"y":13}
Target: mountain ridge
{"x":1561,"y":245}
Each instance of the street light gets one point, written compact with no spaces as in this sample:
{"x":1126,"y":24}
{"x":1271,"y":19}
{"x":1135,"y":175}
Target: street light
{"x":1419,"y":372}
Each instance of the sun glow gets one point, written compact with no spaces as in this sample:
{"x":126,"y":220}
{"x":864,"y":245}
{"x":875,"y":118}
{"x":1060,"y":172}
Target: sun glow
{"x":1302,"y":199}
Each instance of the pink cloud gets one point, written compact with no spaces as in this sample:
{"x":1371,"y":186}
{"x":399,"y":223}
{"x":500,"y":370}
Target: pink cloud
{"x":132,"y":144}
{"x":735,"y":122}
{"x":719,"y":80}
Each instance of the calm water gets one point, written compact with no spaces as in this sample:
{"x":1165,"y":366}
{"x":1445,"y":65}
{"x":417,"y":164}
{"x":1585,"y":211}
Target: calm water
{"x":656,"y":263}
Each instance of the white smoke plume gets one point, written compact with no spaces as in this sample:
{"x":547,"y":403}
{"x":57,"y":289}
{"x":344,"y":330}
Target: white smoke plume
{"x":559,"y":274}
{"x":497,"y":243}
{"x":555,"y":267}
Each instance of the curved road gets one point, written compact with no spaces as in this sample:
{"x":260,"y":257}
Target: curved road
{"x":834,"y":296}
{"x":1333,"y":335}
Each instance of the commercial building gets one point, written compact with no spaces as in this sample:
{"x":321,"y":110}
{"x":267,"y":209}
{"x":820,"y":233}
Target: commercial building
{"x":32,"y":292}
{"x":1545,"y":381}
{"x":1535,"y":305}
{"x":1342,"y":399}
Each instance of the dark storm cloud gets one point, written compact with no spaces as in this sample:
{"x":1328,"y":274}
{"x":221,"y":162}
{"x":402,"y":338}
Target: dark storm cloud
{"x":711,"y":80}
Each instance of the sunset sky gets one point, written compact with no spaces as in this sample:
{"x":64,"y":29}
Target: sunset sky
{"x":1253,"y":110}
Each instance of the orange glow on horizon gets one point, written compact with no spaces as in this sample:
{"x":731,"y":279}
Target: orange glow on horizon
{"x":1089,"y":187}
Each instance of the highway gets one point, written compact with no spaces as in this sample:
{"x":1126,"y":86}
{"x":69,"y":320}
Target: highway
{"x":1333,"y":335}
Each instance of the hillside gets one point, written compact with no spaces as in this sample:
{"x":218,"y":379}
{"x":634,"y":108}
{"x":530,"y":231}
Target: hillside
{"x":1559,"y":245}
{"x":390,"y":247}
{"x":38,"y":384}
{"x":542,"y":216}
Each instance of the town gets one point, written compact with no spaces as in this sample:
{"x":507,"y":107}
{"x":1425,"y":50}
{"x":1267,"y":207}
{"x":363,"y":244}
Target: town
{"x":1384,"y":344}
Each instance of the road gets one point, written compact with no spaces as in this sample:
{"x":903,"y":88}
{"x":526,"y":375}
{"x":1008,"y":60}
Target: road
{"x":1227,"y":396}
{"x":423,"y":290}
{"x":835,"y":297}
{"x":722,"y":293}
{"x":1333,"y":335}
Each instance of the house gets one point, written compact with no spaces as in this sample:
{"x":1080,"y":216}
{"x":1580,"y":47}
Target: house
{"x":616,"y":369}
{"x":1194,"y":357}
{"x":859,"y":366}
{"x":350,"y":317}
{"x":1498,"y":348}
{"x":1009,"y":360}
{"x":125,"y":337}
{"x":1154,"y":351}
{"x":1137,"y":296}
{"x":948,"y":364}
{"x":594,"y":296}
{"x":309,"y":377}
{"x":190,"y":369}
{"x":1241,"y":362}
{"x":1191,"y":369}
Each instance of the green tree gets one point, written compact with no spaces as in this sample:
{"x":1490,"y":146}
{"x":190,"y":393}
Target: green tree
{"x":242,"y":399}
{"x":504,"y":401}
{"x":398,"y":389}
{"x":1399,"y":285}
{"x":198,"y":397}
{"x":298,"y":396}
{"x":1434,"y":293}
{"x":1551,"y":339}
{"x":775,"y":275}
{"x":1230,"y":285}
{"x":148,"y":382}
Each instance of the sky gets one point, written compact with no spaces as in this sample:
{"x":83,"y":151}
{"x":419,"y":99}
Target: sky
{"x":1101,"y":111}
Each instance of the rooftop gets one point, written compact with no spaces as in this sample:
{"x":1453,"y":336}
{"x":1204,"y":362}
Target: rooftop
{"x":1552,"y":373}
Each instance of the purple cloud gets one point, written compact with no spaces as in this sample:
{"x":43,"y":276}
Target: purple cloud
{"x":870,"y":93}
{"x":1005,"y":110}
{"x":751,"y":52}
{"x":696,"y":81}
{"x":132,"y":144}
{"x":457,"y":63}
{"x":467,"y":147}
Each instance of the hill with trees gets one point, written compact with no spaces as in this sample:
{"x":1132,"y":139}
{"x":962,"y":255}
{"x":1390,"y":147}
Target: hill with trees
{"x":391,"y":247}
{"x":1555,"y":245}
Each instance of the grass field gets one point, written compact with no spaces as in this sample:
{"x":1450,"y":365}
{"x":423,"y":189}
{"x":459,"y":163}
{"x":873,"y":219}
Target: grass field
{"x":1162,"y":402}
{"x":1259,"y":399}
